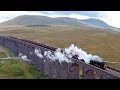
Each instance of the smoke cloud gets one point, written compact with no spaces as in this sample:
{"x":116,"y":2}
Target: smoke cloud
{"x":38,"y":53}
{"x":57,"y":55}
{"x":23,"y":57}
{"x":69,"y":52}
{"x":65,"y":54}
{"x":74,"y":50}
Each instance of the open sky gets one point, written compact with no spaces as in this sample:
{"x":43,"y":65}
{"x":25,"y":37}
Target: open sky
{"x":110,"y":17}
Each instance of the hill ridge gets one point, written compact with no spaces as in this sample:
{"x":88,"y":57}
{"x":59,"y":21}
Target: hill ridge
{"x":45,"y":20}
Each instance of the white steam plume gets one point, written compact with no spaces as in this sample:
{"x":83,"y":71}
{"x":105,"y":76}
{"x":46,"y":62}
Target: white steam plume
{"x":73,"y":50}
{"x":66,"y":55}
{"x":69,"y":52}
{"x":23,"y":57}
{"x":38,"y":53}
{"x":57,"y":55}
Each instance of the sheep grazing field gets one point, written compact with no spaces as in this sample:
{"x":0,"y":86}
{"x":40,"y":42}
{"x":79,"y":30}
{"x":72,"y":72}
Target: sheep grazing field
{"x":96,"y":41}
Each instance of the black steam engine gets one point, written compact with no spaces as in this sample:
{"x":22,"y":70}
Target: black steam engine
{"x":98,"y":64}
{"x":101,"y":65}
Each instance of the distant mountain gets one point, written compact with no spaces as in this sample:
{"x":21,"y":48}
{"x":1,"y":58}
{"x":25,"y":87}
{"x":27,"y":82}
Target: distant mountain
{"x":36,"y":20}
{"x":42,"y":20}
{"x":98,"y":22}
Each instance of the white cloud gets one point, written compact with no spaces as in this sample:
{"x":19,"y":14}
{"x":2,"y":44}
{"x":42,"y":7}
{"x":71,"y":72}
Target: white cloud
{"x":78,"y":16}
{"x":51,"y":12}
{"x":110,"y":17}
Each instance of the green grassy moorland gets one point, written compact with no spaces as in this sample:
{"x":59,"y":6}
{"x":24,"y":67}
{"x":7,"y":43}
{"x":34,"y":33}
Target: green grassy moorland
{"x":17,"y":69}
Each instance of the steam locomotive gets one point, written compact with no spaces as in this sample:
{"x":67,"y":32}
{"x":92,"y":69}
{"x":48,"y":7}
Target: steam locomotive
{"x":98,"y":64}
{"x":101,"y":65}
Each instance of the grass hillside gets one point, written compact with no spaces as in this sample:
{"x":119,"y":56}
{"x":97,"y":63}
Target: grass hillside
{"x":15,"y":68}
{"x":93,"y":40}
